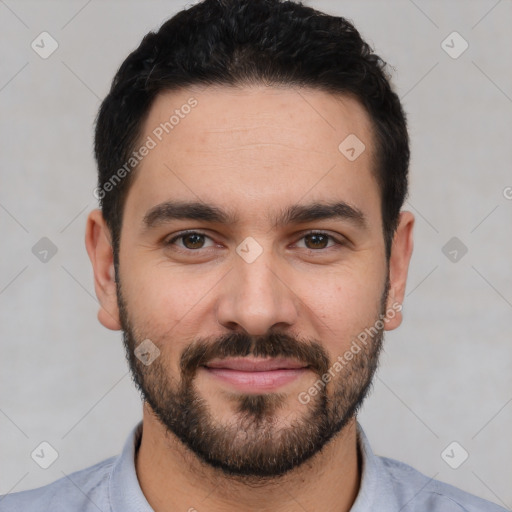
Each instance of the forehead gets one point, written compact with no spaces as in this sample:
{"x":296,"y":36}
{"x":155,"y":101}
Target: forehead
{"x":254,"y":147}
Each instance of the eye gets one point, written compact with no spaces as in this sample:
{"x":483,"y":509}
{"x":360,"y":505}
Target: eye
{"x":318,"y":240}
{"x":191,"y":240}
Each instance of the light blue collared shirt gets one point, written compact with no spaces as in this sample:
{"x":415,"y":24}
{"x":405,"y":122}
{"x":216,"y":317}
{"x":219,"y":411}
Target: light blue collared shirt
{"x":387,"y":485}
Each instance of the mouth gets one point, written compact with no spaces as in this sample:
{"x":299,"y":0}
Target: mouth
{"x":247,"y":364}
{"x":255,"y":374}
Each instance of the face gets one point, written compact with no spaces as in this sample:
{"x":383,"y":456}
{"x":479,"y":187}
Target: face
{"x":248,"y":237}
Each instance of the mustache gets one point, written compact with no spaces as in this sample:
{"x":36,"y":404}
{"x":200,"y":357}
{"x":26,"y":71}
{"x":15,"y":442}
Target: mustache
{"x":239,"y":344}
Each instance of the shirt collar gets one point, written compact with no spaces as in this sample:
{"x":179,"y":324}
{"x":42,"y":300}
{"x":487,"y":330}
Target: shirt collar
{"x":124,"y":490}
{"x":375,"y":491}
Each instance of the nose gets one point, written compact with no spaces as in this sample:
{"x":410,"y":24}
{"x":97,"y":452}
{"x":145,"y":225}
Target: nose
{"x":256,"y":297}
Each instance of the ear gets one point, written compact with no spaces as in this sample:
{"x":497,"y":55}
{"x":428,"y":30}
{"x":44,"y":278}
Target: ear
{"x":99,"y":247}
{"x":400,"y":257}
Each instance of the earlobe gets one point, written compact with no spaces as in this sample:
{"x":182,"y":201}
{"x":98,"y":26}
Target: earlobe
{"x":401,"y":253}
{"x":99,"y":249}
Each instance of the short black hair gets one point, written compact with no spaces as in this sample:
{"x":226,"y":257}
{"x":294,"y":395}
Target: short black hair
{"x":244,"y":42}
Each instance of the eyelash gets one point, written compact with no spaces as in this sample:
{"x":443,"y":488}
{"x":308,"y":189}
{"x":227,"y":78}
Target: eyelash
{"x":192,"y":232}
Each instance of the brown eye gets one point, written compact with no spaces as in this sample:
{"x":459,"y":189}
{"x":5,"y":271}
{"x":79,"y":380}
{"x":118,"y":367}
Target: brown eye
{"x":193,"y":240}
{"x":317,"y":240}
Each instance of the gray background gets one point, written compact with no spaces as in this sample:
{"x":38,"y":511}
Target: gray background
{"x":445,"y":374}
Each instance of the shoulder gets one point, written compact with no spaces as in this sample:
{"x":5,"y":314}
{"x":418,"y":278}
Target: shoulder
{"x":419,"y":492}
{"x":82,"y":491}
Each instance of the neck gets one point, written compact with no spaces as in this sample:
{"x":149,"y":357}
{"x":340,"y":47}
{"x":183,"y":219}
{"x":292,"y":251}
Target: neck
{"x":173,"y":478}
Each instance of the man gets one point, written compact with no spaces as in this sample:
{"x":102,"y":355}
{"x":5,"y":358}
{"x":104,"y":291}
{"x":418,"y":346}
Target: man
{"x":251,"y":246}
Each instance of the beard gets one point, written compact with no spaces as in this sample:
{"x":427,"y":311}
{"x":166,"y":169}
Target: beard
{"x":255,"y":446}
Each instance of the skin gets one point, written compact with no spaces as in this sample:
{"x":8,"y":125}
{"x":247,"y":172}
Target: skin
{"x":253,"y":150}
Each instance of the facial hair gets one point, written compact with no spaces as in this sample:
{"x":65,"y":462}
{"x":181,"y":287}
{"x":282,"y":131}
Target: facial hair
{"x":252,"y":448}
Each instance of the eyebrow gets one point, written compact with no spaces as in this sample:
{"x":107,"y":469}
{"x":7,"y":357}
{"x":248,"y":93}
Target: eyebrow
{"x":295,"y":214}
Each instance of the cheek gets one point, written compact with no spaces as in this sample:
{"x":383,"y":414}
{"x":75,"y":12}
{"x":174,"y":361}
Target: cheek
{"x":163,"y":306}
{"x":341,"y":307}
{"x":164,"y":298}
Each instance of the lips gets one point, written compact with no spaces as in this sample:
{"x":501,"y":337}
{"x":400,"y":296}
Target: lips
{"x":255,"y":375}
{"x":246,"y":364}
